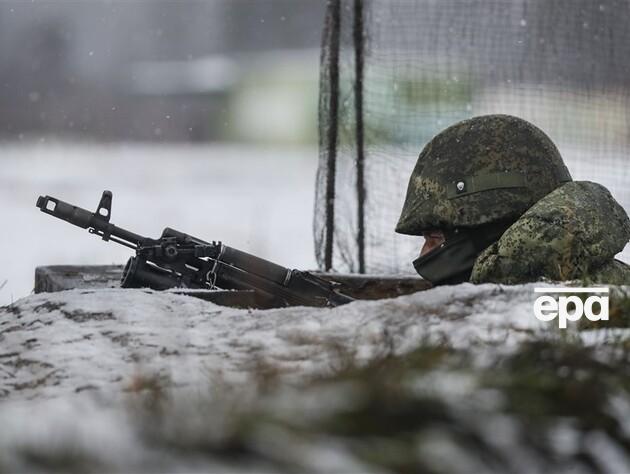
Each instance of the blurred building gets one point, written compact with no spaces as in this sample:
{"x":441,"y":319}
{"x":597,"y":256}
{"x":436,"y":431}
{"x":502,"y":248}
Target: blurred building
{"x":148,"y":70}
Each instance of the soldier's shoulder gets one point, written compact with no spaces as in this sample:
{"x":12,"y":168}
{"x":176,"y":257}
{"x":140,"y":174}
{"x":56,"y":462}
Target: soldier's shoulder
{"x":614,"y":272}
{"x":571,"y":233}
{"x":593,"y":201}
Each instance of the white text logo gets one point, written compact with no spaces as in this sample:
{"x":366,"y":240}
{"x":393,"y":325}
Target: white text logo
{"x":572,"y":307}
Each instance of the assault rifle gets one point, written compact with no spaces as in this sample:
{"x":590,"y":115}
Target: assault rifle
{"x":178,"y":260}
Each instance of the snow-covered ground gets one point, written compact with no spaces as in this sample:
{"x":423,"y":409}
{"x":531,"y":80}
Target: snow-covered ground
{"x":83,"y":374}
{"x":56,"y":344}
{"x":253,"y":198}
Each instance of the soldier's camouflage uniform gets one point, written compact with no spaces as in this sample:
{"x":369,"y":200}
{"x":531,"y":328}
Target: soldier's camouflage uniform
{"x":572,"y":233}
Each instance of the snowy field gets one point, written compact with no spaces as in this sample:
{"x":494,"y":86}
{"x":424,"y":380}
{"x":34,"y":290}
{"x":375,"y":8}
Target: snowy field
{"x":256,"y":199}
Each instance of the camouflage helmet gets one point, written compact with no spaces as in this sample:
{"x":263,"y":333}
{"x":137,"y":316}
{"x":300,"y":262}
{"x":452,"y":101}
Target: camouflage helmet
{"x":479,"y":171}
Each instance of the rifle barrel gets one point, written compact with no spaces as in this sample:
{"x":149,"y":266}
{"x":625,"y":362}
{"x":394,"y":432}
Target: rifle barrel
{"x":89,"y":220}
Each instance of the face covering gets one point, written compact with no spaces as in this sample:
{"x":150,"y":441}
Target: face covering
{"x":452,"y":262}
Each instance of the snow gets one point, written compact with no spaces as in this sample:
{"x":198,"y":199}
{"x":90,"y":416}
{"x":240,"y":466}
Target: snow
{"x":71,"y":363}
{"x":256,"y":199}
{"x":56,"y":344}
{"x":61,"y":343}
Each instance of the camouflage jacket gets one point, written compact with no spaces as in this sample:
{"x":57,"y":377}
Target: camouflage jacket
{"x":572,"y":233}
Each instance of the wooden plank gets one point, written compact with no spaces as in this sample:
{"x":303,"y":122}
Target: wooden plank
{"x":374,"y":287}
{"x":53,"y":278}
{"x":67,"y":277}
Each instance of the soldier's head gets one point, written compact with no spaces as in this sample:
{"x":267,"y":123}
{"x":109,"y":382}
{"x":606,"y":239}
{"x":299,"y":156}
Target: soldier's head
{"x":470,"y":183}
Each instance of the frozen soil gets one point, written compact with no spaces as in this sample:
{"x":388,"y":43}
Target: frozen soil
{"x":453,"y":379}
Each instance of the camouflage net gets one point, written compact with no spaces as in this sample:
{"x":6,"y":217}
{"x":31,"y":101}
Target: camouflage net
{"x":395,"y":73}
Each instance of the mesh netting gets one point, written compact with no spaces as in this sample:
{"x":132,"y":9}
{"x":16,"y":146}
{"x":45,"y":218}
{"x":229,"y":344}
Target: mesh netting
{"x":395,"y":73}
